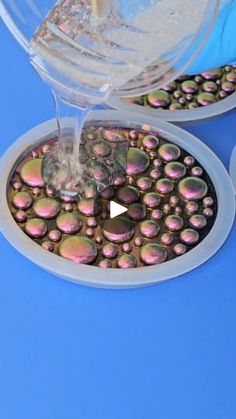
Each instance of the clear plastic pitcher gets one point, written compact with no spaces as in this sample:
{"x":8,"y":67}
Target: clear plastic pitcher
{"x":87,"y":48}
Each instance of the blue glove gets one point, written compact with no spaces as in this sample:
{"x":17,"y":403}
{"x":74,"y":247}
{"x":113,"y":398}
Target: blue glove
{"x":220,"y":48}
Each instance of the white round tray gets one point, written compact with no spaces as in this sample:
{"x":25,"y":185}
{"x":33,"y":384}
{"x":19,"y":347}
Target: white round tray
{"x":121,"y":278}
{"x":232,"y":169}
{"x":178,"y":116}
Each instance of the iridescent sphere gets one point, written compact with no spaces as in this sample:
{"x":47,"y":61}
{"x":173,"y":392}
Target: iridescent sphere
{"x":189,"y":161}
{"x":133,"y":135}
{"x":205,"y":99}
{"x":151,"y":200}
{"x":113,"y":136}
{"x":170,"y":87}
{"x":130,"y":180}
{"x":104,"y":215}
{"x":36,"y":192}
{"x":22,"y":200}
{"x":192,"y":188}
{"x":174,"y":222}
{"x":149,"y":228}
{"x":192,"y":105}
{"x":34,"y":154}
{"x":152,"y":254}
{"x":222,"y":94}
{"x":150,"y":142}
{"x":46,"y":208}
{"x":175,"y":170}
{"x":155,"y":174}
{"x":189,"y":86}
{"x":119,"y":180}
{"x":144,"y":183}
{"x":182,"y":101}
{"x":174,"y":200}
{"x":152,"y":154}
{"x":189,"y":236}
{"x":128,"y":195}
{"x":166,"y":209}
{"x":36,"y":228}
{"x":50,"y":192}
{"x":49,"y":246}
{"x":167,"y":239}
{"x":180,"y":249}
{"x":110,"y":250}
{"x":17,"y":186}
{"x":67,"y":206}
{"x":208,"y":212}
{"x":78,"y":249}
{"x":118,"y":230}
{"x":164,"y":186}
{"x":197,"y":171}
{"x":198,"y":221}
{"x":45,"y":148}
{"x":69,"y":223}
{"x":231,"y":77}
{"x":107,"y":193}
{"x":228,"y":87}
{"x":20,"y":216}
{"x":105,"y":264}
{"x":67,"y":198}
{"x":126,"y":261}
{"x":191,"y":207}
{"x":159,"y":99}
{"x":91,"y":136}
{"x":189,"y":97}
{"x":98,"y":239}
{"x":99,"y":172}
{"x":178,"y":210}
{"x":177,"y":94}
{"x":137,"y":161}
{"x":31,"y":173}
{"x":91,"y":222}
{"x":89,"y":206}
{"x":169,"y":152}
{"x":137,"y":212}
{"x":175,"y":106}
{"x":208,"y":201}
{"x":89,"y":232}
{"x":198,"y":79}
{"x":54,"y":235}
{"x":90,"y":190}
{"x":157,"y":163}
{"x":212,"y":74}
{"x":138,"y":241}
{"x":101,"y":148}
{"x":156,"y":214}
{"x":127,"y":248}
{"x":210,"y":86}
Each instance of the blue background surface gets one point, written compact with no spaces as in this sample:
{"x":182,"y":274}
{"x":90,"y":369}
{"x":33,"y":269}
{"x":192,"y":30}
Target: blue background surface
{"x":71,"y":352}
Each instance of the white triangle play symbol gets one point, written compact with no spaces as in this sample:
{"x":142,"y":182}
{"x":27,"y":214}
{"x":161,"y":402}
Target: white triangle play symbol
{"x":116,"y":209}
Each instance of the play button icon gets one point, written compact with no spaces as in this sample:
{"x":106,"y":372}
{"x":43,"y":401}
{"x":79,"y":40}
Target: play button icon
{"x":116,"y":209}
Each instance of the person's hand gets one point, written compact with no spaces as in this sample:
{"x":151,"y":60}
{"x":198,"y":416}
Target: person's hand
{"x":221,"y":45}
